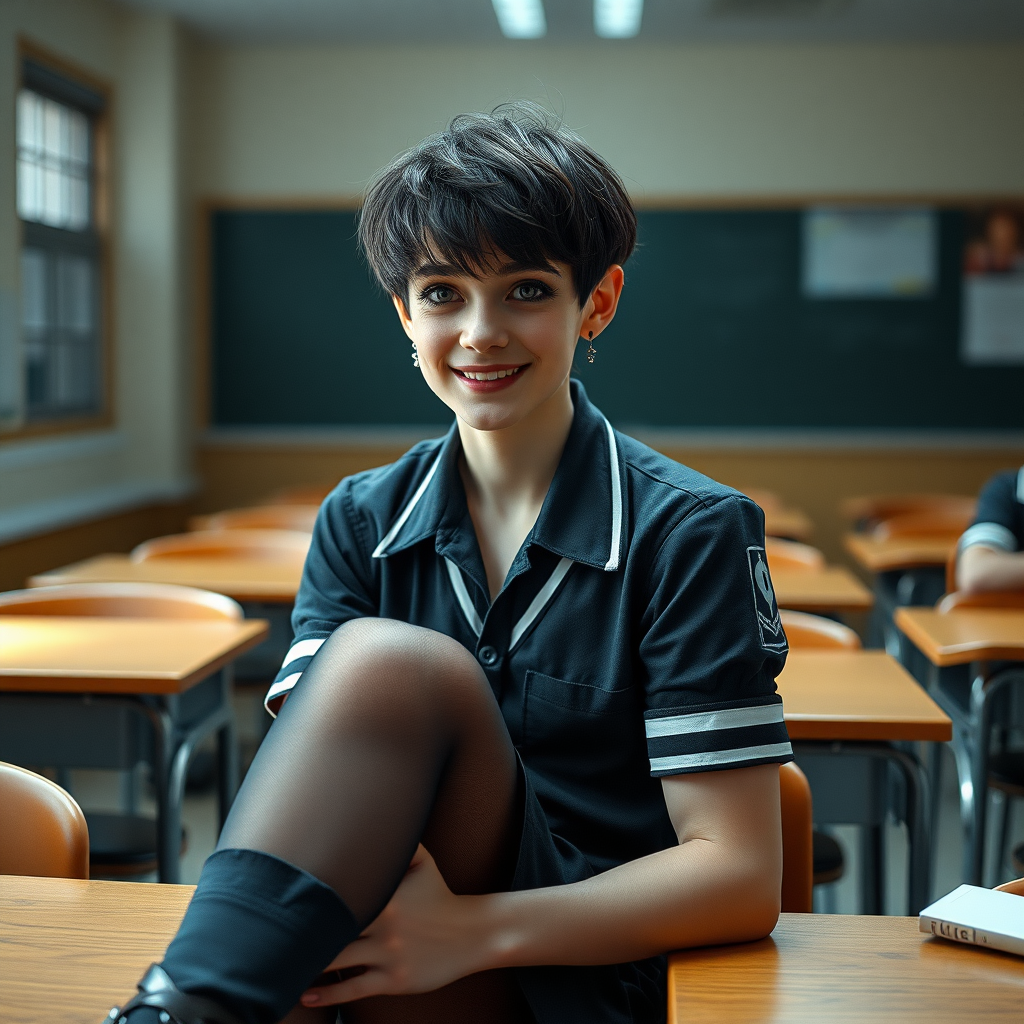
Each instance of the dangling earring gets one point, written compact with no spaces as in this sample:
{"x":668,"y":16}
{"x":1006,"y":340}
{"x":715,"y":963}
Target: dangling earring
{"x":416,"y":356}
{"x":591,"y":351}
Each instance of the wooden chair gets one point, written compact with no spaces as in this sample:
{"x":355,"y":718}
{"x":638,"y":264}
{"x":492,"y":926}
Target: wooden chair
{"x":805,"y":631}
{"x":255,"y":545}
{"x":866,"y":512}
{"x":791,"y":554}
{"x":984,"y":599}
{"x":122,"y":844}
{"x":262,"y":517}
{"x":42,"y":830}
{"x":797,"y":842}
{"x":314,"y":494}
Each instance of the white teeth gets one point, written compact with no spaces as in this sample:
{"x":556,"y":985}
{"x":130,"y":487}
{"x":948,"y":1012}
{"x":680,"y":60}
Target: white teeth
{"x":491,"y":374}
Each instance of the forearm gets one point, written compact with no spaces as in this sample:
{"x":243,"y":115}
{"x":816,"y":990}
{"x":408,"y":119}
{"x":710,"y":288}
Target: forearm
{"x":981,"y":569}
{"x":690,"y":895}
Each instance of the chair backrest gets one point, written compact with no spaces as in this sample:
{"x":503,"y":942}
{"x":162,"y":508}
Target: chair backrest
{"x":121,"y":600}
{"x":797,"y":840}
{"x":1016,"y":887}
{"x":791,"y":554}
{"x":872,"y":509}
{"x":255,"y":545}
{"x":985,"y":599}
{"x":42,"y":830}
{"x":805,"y":631}
{"x":931,"y":523}
{"x":261,"y":517}
{"x":314,"y":494}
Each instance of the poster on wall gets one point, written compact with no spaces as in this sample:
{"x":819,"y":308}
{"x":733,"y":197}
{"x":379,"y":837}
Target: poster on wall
{"x":869,"y":253}
{"x":992,"y":332}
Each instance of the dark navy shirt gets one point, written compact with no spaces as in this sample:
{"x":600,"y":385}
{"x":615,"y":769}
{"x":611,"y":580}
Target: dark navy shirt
{"x":636,"y":636}
{"x":999,"y":521}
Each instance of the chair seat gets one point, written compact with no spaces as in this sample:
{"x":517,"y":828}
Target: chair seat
{"x":829,"y":863}
{"x":123,"y":844}
{"x":1006,"y":772}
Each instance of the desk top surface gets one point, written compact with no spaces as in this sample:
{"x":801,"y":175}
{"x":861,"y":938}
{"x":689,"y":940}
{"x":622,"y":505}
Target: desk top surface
{"x":818,"y":967}
{"x":54,"y":654}
{"x":832,"y":589}
{"x":790,"y":523}
{"x":241,"y":578}
{"x":73,"y":949}
{"x":899,"y":552}
{"x":964,"y":634}
{"x":857,"y":695}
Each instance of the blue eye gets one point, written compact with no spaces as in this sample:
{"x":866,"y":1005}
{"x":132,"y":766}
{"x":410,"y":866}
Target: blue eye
{"x":438,"y":294}
{"x":530,"y":291}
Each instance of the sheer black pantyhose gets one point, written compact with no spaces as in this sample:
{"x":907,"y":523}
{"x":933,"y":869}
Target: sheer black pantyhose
{"x":391,"y":738}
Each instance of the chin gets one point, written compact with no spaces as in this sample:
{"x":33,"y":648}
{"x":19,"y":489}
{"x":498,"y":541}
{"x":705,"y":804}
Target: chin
{"x":490,"y":419}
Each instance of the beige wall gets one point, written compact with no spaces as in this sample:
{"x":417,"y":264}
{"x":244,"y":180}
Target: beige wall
{"x":676,"y":121}
{"x":146,"y":454}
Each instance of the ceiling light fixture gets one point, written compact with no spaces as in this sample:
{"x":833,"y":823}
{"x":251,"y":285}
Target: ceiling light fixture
{"x":521,"y":19}
{"x":617,"y":19}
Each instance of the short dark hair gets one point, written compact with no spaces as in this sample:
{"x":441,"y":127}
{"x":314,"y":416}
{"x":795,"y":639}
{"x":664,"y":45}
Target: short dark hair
{"x":515,"y":181}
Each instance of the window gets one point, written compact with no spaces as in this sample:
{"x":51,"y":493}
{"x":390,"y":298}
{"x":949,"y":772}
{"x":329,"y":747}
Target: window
{"x":58,"y":189}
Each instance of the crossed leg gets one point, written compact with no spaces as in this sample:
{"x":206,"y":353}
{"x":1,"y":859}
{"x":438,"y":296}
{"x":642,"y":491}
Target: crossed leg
{"x":392,"y":738}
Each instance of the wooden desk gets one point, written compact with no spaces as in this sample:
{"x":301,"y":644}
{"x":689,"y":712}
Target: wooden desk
{"x":959,"y":637}
{"x":790,"y":523}
{"x":167,"y":671}
{"x":818,"y":967}
{"x":52,"y":654}
{"x":857,"y":695}
{"x":829,"y":590}
{"x":73,"y":949}
{"x":858,"y":704}
{"x":964,"y":634}
{"x":899,"y":552}
{"x":243,"y":579}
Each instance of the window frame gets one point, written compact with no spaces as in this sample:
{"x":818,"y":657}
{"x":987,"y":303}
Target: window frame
{"x":99,"y":244}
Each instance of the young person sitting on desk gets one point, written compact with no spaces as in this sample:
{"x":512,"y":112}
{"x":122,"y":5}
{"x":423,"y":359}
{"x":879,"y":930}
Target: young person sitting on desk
{"x":531,"y":737}
{"x":991,"y":551}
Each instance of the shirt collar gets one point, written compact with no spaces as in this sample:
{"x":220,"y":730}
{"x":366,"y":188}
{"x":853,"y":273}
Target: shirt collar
{"x":582,"y":517}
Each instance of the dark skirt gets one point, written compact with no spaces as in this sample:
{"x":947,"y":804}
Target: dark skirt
{"x":631,"y":993}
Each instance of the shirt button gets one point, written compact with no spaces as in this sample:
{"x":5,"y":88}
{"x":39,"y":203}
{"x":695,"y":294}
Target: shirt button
{"x":488,"y":656}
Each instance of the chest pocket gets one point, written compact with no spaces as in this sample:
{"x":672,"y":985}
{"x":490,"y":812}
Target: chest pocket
{"x":563,"y":719}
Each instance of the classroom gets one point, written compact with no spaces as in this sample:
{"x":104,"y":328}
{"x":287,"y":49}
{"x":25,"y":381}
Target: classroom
{"x":650,"y":628}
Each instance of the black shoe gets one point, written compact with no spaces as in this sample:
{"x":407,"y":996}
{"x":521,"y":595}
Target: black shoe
{"x":157,"y":991}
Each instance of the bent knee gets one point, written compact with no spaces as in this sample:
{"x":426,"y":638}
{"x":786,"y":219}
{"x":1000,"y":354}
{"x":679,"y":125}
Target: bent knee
{"x":389,"y":657}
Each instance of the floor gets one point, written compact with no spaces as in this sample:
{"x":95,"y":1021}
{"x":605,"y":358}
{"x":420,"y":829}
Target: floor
{"x":99,"y":791}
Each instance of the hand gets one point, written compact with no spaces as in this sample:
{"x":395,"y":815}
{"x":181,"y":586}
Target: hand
{"x":425,"y":938}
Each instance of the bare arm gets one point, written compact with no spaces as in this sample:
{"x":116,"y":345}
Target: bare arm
{"x":721,"y":884}
{"x":980,"y":569}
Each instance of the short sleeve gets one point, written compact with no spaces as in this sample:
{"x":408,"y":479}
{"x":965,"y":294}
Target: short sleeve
{"x":712,"y":646}
{"x":997,"y":522}
{"x":337,"y":585}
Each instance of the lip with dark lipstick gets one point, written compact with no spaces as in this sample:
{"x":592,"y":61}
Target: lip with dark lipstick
{"x":489,"y":378}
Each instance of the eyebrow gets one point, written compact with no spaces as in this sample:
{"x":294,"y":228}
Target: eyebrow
{"x":451,"y":270}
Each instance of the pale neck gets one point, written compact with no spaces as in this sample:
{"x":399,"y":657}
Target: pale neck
{"x":516,"y":464}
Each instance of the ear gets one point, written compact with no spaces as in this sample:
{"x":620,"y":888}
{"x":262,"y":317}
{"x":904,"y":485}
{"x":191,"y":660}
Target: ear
{"x":600,"y":309}
{"x":403,"y":315}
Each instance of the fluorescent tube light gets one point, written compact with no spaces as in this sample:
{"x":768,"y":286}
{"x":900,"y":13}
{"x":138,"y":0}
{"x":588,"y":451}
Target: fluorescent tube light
{"x":521,"y":19}
{"x":617,"y":19}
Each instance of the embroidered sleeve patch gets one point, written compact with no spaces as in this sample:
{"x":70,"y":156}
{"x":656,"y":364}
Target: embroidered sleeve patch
{"x":773,"y":638}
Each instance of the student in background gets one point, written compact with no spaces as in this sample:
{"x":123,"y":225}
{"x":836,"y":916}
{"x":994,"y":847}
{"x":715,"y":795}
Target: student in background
{"x":991,"y":555}
{"x":528,"y":735}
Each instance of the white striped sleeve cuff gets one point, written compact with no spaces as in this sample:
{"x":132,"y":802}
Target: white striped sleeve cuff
{"x":988,"y":535}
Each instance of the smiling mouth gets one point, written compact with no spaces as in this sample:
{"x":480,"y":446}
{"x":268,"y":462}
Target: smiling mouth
{"x":495,"y":374}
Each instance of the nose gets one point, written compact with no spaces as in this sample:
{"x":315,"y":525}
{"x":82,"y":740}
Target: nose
{"x":483,"y":330}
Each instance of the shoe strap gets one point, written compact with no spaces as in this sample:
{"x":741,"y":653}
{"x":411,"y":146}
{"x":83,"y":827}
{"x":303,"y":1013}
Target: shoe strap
{"x":156,"y":990}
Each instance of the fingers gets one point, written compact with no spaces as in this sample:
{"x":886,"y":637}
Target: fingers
{"x":370,"y":983}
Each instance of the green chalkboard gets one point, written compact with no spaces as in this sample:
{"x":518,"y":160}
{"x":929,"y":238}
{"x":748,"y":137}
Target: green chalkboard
{"x":712,"y":331}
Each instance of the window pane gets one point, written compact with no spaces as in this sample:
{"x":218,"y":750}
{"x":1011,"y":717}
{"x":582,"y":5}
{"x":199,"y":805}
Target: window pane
{"x":75,"y":294}
{"x":33,"y":290}
{"x":54,"y":150}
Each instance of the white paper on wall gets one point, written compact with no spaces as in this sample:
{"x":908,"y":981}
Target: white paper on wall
{"x":992,"y":332}
{"x":869,"y":253}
